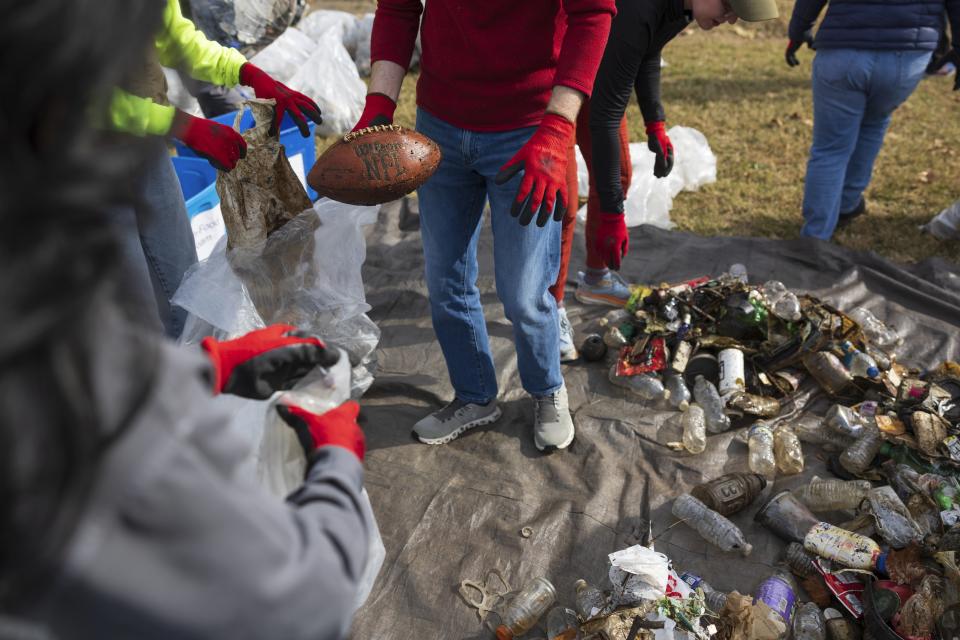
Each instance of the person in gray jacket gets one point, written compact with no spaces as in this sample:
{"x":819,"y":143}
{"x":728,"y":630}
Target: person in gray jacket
{"x":123,"y":512}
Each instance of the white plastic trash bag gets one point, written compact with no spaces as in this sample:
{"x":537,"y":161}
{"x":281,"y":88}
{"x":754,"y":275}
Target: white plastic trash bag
{"x":946,"y":224}
{"x":363,"y":34}
{"x":330,"y":77}
{"x":317,"y":23}
{"x":286,"y":55}
{"x":650,"y":566}
{"x":649,"y":199}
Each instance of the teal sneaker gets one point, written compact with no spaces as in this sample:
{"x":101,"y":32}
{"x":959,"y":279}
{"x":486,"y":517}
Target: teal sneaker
{"x":568,"y":350}
{"x":612,"y":290}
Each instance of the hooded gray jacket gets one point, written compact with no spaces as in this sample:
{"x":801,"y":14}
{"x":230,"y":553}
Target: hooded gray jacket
{"x":176,"y":543}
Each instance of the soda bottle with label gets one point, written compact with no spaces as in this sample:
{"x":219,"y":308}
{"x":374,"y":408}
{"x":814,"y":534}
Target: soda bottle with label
{"x":844,"y":547}
{"x":779,"y":592}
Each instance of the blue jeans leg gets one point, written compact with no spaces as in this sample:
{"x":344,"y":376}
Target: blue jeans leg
{"x":451,"y":209}
{"x":838,"y":108}
{"x":903,"y":72}
{"x":527,"y":260}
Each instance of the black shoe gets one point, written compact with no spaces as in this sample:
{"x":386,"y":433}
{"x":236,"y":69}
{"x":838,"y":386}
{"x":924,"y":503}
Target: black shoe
{"x":848,"y":217}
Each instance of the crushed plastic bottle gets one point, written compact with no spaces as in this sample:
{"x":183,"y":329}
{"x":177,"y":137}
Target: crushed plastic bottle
{"x":844,"y":547}
{"x":730,"y":493}
{"x":562,"y":624}
{"x":646,"y":386}
{"x":679,"y":393}
{"x":787,"y":451}
{"x":844,"y":421}
{"x":779,"y":592}
{"x":811,"y":430}
{"x":712,"y":527}
{"x":860,"y":364}
{"x":833,"y":494}
{"x":715,"y":600}
{"x":787,"y":307}
{"x":760,"y":442}
{"x":708,"y":398}
{"x":827,"y":370}
{"x":808,"y":623}
{"x":694,"y":429}
{"x":858,"y":456}
{"x":874,"y":330}
{"x":838,"y":627}
{"x":524,"y":609}
{"x":893,"y":521}
{"x":751,"y":403}
{"x":590,"y":601}
{"x":799,"y":561}
{"x":738,"y":272}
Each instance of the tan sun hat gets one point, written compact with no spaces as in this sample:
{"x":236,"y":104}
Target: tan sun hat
{"x":755,"y":10}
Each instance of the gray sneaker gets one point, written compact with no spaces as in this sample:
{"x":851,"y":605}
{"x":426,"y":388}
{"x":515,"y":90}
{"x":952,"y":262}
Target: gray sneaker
{"x":552,"y":426}
{"x":447,"y":424}
{"x":568,"y":350}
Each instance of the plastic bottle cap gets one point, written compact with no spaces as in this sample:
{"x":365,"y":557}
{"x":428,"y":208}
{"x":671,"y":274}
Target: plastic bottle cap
{"x":882,"y":563}
{"x":747,"y":548}
{"x":873,"y":372}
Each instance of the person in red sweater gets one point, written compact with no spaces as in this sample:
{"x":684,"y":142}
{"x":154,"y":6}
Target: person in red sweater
{"x":500,"y":86}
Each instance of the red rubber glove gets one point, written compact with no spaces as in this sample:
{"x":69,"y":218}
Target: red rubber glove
{"x":266,"y":360}
{"x":220,"y":145}
{"x":289,"y":101}
{"x":335,"y":428}
{"x":612,"y":241}
{"x":659,"y":142}
{"x":543,"y":160}
{"x":377,"y":110}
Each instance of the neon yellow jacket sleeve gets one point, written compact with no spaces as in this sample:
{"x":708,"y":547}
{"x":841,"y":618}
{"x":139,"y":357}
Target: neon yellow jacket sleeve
{"x":180,"y":45}
{"x":140,"y":116}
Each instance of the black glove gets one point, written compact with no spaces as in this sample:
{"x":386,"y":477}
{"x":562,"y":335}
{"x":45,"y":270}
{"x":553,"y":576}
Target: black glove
{"x":794,"y":45}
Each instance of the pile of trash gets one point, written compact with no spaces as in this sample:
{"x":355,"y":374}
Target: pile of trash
{"x":871,"y":552}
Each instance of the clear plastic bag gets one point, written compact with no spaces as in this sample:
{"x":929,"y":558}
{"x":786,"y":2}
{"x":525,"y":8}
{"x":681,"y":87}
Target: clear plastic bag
{"x":316,"y":23}
{"x":308,"y":275}
{"x":946,"y":224}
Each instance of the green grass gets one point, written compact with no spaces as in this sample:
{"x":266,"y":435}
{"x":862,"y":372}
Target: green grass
{"x":733,"y":85}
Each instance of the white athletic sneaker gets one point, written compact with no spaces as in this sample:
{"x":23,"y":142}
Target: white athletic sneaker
{"x":552,"y":426}
{"x":568,"y":350}
{"x":448,"y":423}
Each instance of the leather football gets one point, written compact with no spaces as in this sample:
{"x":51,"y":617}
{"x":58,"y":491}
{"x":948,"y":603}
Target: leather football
{"x":374,"y":165}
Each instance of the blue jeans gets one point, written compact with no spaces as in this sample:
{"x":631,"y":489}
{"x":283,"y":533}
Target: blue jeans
{"x":855,"y":92}
{"x":157,"y":247}
{"x":526,"y":261}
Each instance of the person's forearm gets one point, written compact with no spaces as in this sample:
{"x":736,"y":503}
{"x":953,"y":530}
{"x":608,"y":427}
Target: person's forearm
{"x":565,"y":102}
{"x":387,"y":77}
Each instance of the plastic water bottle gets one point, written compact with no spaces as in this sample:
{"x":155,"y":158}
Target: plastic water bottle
{"x":860,"y":364}
{"x":694,"y":429}
{"x":782,"y":302}
{"x":773,"y":290}
{"x":715,"y":600}
{"x":787,"y":451}
{"x":811,"y":430}
{"x":808,"y":623}
{"x":646,"y":386}
{"x":844,"y":421}
{"x":874,"y":330}
{"x":738,"y":272}
{"x":800,"y":561}
{"x":679,"y":393}
{"x":562,"y":624}
{"x":708,"y":398}
{"x":833,"y":494}
{"x":760,"y":442}
{"x":779,"y":592}
{"x":858,"y":456}
{"x":590,"y":601}
{"x":522,"y":612}
{"x":711,"y":526}
{"x":894,"y":522}
{"x":827,"y":369}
